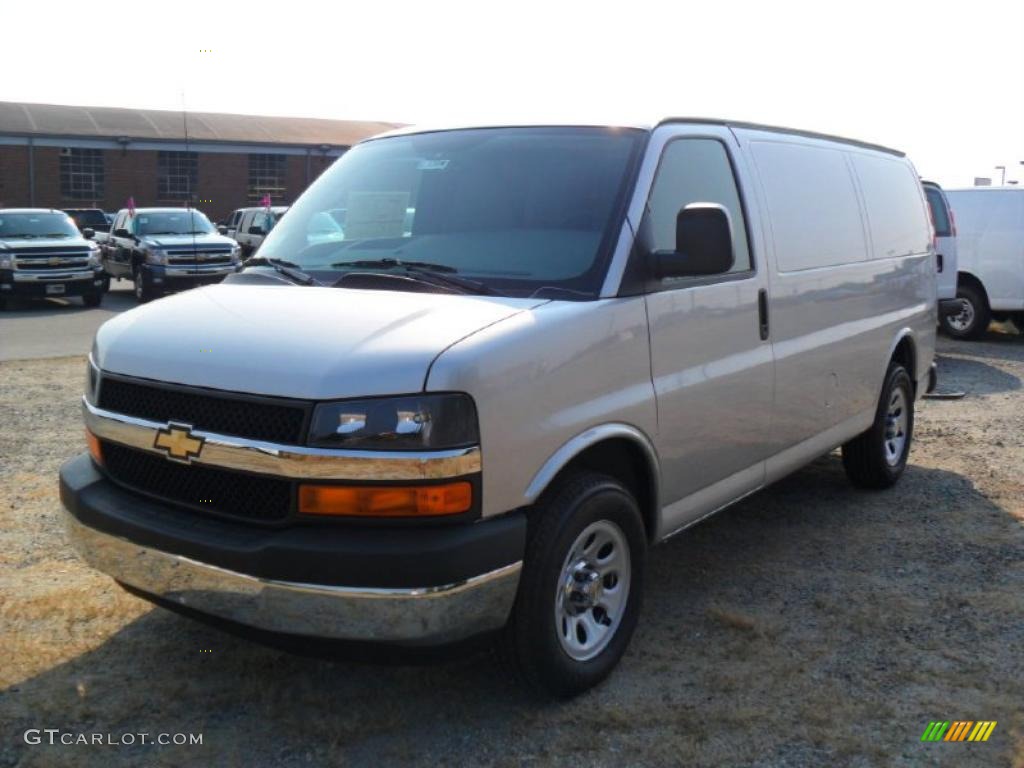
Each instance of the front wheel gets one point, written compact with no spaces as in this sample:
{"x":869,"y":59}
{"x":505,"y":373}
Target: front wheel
{"x":973,"y":319}
{"x":580,"y":590}
{"x":877,"y":458}
{"x":143,"y":292}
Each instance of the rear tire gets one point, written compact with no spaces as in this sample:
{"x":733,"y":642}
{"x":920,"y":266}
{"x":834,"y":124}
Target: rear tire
{"x":876,"y":458}
{"x":581,"y":586}
{"x":973,"y":321}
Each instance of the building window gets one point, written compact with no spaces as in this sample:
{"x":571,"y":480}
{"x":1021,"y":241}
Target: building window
{"x":176,"y":175}
{"x":81,"y":173}
{"x":266,"y":177}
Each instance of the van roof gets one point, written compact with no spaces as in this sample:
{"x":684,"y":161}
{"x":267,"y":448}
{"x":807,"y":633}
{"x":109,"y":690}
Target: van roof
{"x":1005,"y":188}
{"x":413,"y":129}
{"x":780,"y":129}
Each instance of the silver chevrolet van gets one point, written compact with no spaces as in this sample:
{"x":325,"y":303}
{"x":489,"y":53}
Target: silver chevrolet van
{"x":524,"y":356}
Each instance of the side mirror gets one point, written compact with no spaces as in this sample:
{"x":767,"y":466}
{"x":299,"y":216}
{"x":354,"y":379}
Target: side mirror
{"x":703,"y":243}
{"x":122,"y":233}
{"x":255,"y":230}
{"x":222,"y":229}
{"x":88,"y":233}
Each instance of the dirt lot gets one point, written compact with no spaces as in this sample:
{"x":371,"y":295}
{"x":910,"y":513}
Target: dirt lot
{"x":810,"y":625}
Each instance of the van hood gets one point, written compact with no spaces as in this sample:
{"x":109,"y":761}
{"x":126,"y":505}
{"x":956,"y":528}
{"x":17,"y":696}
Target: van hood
{"x":293,"y":341}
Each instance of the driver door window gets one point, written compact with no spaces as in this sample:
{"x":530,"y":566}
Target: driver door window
{"x":695,"y":171}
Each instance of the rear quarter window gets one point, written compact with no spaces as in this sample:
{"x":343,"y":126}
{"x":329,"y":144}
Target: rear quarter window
{"x":892,"y":199}
{"x":812,"y":205}
{"x":940,"y":215}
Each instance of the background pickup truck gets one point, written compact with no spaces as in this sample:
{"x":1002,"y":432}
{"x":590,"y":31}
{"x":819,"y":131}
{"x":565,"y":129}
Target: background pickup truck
{"x":167,"y":249}
{"x":248,"y":226}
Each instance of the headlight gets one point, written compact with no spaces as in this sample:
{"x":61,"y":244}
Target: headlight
{"x":94,"y":257}
{"x":154,"y":255}
{"x":6,"y":260}
{"x":412,"y":423}
{"x":236,"y":252}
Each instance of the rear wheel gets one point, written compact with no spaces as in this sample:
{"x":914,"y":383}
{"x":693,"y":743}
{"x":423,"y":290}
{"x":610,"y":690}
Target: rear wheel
{"x":877,"y":457}
{"x":580,"y":590}
{"x":972,"y":321}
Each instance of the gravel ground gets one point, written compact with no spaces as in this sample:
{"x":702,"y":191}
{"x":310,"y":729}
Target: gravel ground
{"x":812,"y":624}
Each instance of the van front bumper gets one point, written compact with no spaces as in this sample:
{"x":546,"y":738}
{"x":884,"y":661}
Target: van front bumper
{"x":398,"y":585}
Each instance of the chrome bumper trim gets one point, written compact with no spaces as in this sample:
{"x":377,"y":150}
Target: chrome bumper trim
{"x":200,"y":271}
{"x":53,"y":276}
{"x":288,"y":460}
{"x":424,"y":616}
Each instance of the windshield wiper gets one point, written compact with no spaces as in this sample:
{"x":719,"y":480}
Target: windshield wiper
{"x":388,"y":263}
{"x":56,"y":234}
{"x":441,"y":275}
{"x":287,"y":268}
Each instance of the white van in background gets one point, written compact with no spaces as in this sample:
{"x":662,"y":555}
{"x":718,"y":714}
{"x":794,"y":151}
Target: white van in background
{"x":990,"y":246}
{"x":946,"y":261}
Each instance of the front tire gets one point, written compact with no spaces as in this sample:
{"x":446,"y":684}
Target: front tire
{"x":92,"y":299}
{"x":581,"y":586}
{"x":973,"y":320}
{"x":143,"y":292}
{"x":876,"y":458}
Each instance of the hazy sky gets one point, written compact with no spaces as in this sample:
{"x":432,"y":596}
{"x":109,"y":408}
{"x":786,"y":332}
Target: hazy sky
{"x":943,"y":81}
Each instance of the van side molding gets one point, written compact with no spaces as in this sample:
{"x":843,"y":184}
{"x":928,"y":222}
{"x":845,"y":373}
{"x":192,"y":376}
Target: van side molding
{"x":575,"y":446}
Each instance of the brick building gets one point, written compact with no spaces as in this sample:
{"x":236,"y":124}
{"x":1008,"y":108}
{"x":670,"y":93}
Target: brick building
{"x":97,"y":157}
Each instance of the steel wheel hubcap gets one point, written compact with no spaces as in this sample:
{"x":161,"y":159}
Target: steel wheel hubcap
{"x":593,"y":590}
{"x":896,"y":422}
{"x":963,"y":319}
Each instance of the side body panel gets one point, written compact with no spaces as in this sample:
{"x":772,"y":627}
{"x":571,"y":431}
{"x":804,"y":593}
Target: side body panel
{"x":844,"y":290}
{"x":542,"y":379}
{"x":990,"y":225}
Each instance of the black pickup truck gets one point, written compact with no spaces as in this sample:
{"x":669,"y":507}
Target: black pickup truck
{"x":167,"y":249}
{"x":42,"y":254}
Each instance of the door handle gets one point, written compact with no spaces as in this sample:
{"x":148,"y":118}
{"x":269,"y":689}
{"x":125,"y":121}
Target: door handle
{"x":762,"y":313}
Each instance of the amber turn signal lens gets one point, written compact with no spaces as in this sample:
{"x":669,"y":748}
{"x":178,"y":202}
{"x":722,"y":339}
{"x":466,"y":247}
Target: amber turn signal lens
{"x":386,"y":501}
{"x":94,"y":447}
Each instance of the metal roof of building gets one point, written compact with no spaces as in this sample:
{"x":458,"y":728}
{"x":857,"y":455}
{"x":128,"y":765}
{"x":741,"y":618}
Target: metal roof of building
{"x":154,"y":125}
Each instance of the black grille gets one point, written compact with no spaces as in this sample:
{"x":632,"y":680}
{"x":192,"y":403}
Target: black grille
{"x":221,"y":491}
{"x":247,"y":417}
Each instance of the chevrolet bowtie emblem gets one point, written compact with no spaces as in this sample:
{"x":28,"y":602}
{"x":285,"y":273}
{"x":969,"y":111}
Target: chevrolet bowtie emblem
{"x":54,"y":261}
{"x":177,"y":442}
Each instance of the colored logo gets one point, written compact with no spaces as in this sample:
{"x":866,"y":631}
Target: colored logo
{"x":177,"y":442}
{"x":959,"y":730}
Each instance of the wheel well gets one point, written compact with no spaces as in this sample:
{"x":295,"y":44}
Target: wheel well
{"x":905,"y":356}
{"x":628,"y":463}
{"x":966,"y":278}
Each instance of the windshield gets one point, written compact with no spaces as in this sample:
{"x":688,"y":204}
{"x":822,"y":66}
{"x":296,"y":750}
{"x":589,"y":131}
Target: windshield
{"x":516,"y":209}
{"x":14,"y":225}
{"x":93,"y":218}
{"x":183,"y":222}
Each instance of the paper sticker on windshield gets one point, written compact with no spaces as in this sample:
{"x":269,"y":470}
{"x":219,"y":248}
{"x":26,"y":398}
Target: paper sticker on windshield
{"x":432,"y":165}
{"x":375,"y":214}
